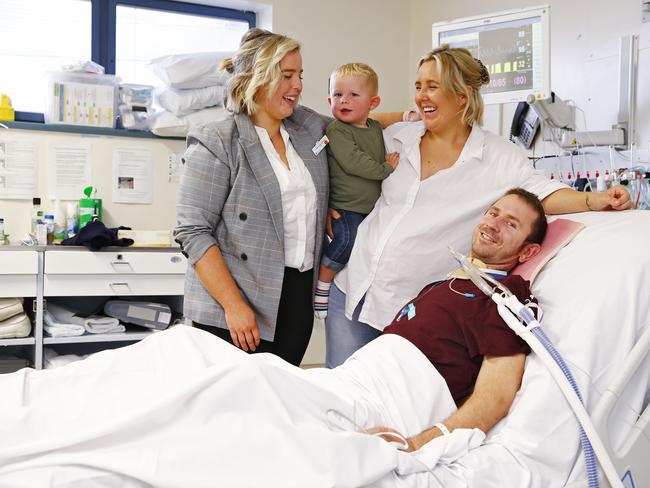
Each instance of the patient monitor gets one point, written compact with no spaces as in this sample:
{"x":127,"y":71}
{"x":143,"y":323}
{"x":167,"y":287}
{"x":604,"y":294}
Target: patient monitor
{"x":514,"y":46}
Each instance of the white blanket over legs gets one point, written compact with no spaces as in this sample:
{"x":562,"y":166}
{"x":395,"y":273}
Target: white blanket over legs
{"x":183,"y":408}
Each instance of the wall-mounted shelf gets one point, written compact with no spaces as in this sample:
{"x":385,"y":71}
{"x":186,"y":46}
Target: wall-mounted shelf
{"x":80,"y":129}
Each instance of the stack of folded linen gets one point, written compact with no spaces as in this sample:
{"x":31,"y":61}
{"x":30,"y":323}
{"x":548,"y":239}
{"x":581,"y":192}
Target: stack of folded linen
{"x":51,"y":359}
{"x":60,"y":321}
{"x":14,"y":322}
{"x":193,"y":93}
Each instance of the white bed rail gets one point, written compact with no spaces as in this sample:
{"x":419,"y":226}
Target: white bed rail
{"x":631,"y":459}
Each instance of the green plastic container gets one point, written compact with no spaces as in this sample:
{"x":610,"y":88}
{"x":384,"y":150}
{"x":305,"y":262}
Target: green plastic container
{"x":89,"y":208}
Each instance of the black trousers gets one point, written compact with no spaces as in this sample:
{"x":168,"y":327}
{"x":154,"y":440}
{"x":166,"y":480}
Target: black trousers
{"x":295,"y":319}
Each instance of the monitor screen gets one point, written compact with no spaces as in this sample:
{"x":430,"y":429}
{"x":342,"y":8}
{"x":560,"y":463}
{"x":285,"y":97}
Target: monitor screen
{"x":514,"y":46}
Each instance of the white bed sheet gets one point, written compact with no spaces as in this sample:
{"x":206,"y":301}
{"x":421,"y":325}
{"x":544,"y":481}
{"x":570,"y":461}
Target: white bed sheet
{"x":183,"y":408}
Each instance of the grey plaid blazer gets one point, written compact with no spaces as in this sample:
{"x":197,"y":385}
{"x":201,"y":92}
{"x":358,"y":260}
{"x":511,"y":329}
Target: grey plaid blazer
{"x":230,"y":196}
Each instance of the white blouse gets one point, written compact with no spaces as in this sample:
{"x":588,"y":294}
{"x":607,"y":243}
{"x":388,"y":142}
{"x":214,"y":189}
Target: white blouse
{"x":298,"y":202}
{"x":403,"y":243}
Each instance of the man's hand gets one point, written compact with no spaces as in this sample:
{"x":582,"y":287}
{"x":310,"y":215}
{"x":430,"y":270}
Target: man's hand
{"x":393,"y":159}
{"x":385,"y":433}
{"x":243,"y":327}
{"x":331,"y":215}
{"x":615,"y":198}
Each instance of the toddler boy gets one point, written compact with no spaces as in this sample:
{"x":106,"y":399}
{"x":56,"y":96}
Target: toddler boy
{"x":357,"y":163}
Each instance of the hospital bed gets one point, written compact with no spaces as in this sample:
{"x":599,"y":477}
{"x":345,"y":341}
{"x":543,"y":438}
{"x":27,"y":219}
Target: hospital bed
{"x":597,"y":313}
{"x":184,"y":409}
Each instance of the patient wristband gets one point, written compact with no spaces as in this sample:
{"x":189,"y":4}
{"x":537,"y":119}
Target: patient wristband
{"x":442,"y":428}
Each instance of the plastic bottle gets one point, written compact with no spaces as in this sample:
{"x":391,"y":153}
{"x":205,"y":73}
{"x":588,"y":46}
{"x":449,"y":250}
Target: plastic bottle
{"x":59,"y":223}
{"x":41,"y":233}
{"x":2,"y":231}
{"x":37,"y":214}
{"x":71,"y":220}
{"x":89,"y":208}
{"x":49,"y":222}
{"x":600,"y":182}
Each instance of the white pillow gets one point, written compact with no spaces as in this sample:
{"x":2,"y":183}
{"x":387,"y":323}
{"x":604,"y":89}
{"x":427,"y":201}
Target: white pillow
{"x":182,"y":102}
{"x":166,"y":124}
{"x":195,"y":70}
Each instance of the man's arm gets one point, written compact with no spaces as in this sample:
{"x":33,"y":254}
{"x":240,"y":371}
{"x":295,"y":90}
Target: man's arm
{"x":497,"y":384}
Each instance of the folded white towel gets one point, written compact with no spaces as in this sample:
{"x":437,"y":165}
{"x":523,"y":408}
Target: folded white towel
{"x":54,"y":328}
{"x":10,"y":307}
{"x":16,"y":326}
{"x":95,"y":324}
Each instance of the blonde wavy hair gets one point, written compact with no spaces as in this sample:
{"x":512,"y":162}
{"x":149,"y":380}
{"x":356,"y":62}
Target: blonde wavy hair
{"x":256,"y":64}
{"x":361,"y":70}
{"x":461,"y":74}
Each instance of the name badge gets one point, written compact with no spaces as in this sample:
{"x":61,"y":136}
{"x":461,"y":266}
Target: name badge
{"x":320,"y":145}
{"x":411,"y":311}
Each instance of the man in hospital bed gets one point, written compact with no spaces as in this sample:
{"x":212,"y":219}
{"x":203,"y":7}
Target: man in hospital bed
{"x":457,"y":327}
{"x":183,"y":408}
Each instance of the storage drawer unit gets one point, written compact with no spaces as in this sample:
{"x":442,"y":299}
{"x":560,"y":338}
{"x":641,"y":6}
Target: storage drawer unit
{"x":87,"y":262}
{"x":112,"y":285}
{"x":18,"y":273}
{"x":79,"y":273}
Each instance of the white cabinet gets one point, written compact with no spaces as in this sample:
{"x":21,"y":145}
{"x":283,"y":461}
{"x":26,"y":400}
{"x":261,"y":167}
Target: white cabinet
{"x":51,"y":273}
{"x":113,"y":273}
{"x":80,"y":262}
{"x":18,"y":273}
{"x":19,"y":277}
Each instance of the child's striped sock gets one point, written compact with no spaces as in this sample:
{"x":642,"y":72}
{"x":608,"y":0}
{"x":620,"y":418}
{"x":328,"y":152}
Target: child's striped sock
{"x":321,"y":299}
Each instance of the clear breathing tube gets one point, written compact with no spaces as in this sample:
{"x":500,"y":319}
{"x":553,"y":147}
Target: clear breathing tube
{"x":514,"y":313}
{"x":587,"y":448}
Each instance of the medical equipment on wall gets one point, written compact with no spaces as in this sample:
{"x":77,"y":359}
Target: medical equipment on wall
{"x":522,"y":321}
{"x":145,"y":314}
{"x":558,"y":117}
{"x":513,"y":45}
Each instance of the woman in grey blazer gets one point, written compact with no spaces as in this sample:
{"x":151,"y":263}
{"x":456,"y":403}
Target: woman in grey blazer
{"x":252,"y":205}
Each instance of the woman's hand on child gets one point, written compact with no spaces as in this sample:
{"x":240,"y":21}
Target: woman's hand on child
{"x":393,"y":159}
{"x":331,"y":215}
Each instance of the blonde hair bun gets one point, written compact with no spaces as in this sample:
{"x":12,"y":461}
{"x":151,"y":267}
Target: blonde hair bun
{"x":256,"y":64}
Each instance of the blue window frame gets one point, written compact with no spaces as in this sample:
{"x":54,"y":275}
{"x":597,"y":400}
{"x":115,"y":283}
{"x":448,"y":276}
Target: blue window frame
{"x":104,"y":29}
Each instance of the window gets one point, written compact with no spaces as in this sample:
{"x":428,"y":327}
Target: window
{"x":32,"y":44}
{"x":143,"y":34}
{"x":121,"y":35}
